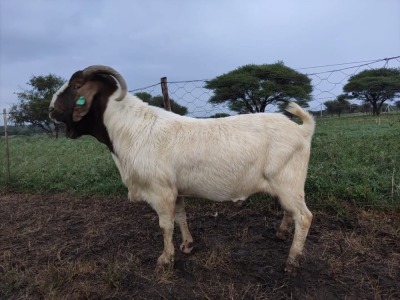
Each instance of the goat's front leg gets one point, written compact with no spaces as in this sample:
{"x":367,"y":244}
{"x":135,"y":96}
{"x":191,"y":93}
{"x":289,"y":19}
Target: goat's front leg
{"x":165,"y":208}
{"x":180,"y":219}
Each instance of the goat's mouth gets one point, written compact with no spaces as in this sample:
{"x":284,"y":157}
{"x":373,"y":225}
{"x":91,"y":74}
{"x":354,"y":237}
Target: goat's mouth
{"x":69,"y":131}
{"x":54,"y":116}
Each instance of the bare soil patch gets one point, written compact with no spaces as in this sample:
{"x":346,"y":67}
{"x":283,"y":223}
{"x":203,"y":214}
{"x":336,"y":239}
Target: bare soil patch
{"x":65,"y":247}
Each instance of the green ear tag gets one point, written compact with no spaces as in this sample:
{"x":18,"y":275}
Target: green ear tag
{"x":81,"y":101}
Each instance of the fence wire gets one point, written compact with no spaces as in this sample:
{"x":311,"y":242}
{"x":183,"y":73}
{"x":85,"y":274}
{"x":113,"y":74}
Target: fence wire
{"x":327,"y":82}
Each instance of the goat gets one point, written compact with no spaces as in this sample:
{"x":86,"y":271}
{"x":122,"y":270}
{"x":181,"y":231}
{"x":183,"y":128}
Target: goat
{"x":162,"y":156}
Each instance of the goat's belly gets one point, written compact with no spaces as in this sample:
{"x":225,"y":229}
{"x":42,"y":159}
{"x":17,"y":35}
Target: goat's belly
{"x":223,"y":192}
{"x":214,"y":197}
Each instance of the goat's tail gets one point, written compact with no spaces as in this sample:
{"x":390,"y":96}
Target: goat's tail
{"x":308,"y":120}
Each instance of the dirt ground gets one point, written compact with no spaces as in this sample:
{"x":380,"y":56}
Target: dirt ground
{"x":64,"y":247}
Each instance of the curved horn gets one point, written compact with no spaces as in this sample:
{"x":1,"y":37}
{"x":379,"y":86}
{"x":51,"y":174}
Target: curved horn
{"x":96,"y":69}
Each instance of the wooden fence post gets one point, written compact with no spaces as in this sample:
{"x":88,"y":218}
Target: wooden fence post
{"x":8,"y":176}
{"x":164,"y":89}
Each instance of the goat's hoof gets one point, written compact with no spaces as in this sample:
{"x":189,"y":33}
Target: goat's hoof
{"x":164,"y":263}
{"x":291,"y":270}
{"x":292,"y":267}
{"x":281,"y":235}
{"x":186,"y":248}
{"x":160,"y":269}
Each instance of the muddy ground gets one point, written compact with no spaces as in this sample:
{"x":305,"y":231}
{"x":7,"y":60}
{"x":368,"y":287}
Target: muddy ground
{"x":64,"y":247}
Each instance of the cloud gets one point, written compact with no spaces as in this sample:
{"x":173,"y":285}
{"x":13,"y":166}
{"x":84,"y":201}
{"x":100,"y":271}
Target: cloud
{"x":186,"y":40}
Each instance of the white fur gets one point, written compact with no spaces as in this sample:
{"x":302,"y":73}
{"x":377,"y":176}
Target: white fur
{"x":161,"y":155}
{"x":55,"y":96}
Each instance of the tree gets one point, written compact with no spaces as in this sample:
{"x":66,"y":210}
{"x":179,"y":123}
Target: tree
{"x":33,"y":106}
{"x":250,"y":88}
{"x":333,"y":107}
{"x":159,"y":102}
{"x":374,"y":86}
{"x":337,"y":106}
{"x":219,"y":115}
{"x":365,"y":107}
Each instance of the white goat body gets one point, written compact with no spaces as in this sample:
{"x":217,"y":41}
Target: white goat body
{"x":161,"y":155}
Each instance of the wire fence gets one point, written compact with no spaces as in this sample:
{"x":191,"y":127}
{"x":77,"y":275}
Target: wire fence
{"x":327,"y":82}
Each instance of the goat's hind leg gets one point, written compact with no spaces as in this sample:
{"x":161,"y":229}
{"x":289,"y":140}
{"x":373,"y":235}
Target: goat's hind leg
{"x":302,"y":220}
{"x":180,"y":219}
{"x":296,"y":209}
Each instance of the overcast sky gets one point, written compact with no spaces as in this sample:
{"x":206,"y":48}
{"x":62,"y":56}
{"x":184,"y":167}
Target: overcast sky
{"x":185,"y":40}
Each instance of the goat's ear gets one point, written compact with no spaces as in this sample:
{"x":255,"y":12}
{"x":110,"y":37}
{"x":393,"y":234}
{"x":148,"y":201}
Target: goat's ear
{"x":82,"y":107}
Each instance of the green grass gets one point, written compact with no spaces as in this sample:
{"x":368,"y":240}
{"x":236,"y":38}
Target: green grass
{"x":43,"y":165}
{"x":354,"y":159}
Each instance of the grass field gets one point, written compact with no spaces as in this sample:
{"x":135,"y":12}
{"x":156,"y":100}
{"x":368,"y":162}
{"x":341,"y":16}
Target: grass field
{"x":354,"y":159}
